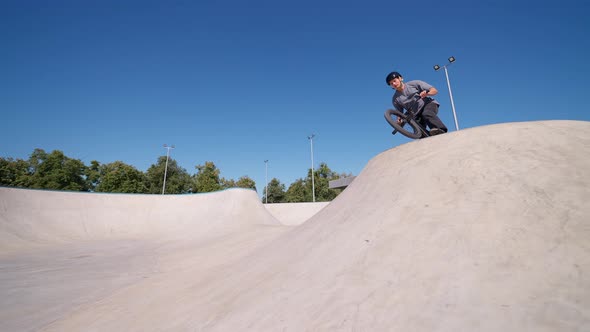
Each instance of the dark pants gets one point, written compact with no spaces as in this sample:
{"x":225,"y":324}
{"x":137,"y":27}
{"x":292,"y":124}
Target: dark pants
{"x":430,"y":117}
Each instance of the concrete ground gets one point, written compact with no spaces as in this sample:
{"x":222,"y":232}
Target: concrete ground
{"x":485,"y":229}
{"x":294,"y":213}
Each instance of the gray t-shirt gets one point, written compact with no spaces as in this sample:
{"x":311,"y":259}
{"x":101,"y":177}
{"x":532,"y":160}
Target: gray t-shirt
{"x":409,"y":98}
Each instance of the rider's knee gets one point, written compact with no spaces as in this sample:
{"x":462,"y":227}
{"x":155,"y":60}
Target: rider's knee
{"x":430,"y":110}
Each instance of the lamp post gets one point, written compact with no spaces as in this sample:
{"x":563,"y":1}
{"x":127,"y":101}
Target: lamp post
{"x":436,"y":68}
{"x":312,"y":177}
{"x":266,"y":180}
{"x":166,"y":167}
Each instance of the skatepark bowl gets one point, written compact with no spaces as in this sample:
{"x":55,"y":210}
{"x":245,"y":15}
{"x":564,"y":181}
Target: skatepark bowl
{"x":483,"y":229}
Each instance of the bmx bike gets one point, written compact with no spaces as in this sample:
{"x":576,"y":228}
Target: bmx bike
{"x":409,"y":124}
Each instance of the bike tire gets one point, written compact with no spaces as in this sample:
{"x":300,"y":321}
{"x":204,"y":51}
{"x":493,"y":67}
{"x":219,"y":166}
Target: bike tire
{"x":410,"y":129}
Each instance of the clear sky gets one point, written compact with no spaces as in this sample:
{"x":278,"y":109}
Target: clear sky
{"x":240,"y":82}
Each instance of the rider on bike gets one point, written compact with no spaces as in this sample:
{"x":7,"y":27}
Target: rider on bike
{"x":415,"y":96}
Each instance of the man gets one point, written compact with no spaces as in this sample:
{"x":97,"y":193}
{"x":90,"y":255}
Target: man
{"x":415,"y":96}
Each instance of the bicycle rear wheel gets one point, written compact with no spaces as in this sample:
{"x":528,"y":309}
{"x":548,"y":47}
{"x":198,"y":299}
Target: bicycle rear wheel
{"x":409,"y":128}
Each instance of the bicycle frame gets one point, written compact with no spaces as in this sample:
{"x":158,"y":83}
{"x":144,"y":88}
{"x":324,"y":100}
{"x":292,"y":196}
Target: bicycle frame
{"x":410,"y":116}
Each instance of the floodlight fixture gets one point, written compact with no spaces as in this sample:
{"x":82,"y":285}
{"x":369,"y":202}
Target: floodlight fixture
{"x":436,"y":68}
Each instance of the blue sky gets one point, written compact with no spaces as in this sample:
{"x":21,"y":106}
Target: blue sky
{"x":240,"y":82}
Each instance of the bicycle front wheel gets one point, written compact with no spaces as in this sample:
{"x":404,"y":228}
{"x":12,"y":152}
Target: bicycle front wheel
{"x":409,"y":128}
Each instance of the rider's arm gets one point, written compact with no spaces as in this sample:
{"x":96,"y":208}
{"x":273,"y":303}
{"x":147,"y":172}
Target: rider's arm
{"x":428,"y":93}
{"x":398,"y":106}
{"x":426,"y":90}
{"x":432,"y":92}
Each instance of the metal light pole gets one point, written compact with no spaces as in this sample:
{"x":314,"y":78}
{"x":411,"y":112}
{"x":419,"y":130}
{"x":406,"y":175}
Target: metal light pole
{"x":166,"y":168}
{"x":436,"y":68}
{"x":312,"y":177}
{"x":266,"y":180}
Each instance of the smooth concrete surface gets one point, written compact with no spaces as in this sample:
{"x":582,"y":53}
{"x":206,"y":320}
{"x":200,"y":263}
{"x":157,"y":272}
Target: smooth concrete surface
{"x":294,"y":213}
{"x":485,"y":229}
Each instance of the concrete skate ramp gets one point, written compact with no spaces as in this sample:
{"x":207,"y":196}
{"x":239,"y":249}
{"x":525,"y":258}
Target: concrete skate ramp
{"x":31,"y":218}
{"x":485,"y":229}
{"x":293,"y":214}
{"x":62,"y":251}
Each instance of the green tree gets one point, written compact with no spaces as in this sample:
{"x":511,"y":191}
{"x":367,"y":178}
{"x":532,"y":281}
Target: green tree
{"x":207,"y":178}
{"x":276,"y":192}
{"x":178,"y":181}
{"x":246,"y":182}
{"x":243,"y":182}
{"x":301,"y":190}
{"x":227,"y":183}
{"x":35,"y":159}
{"x":298,"y":192}
{"x":56,"y":171}
{"x":323,"y":175}
{"x":12,"y":170}
{"x":92,"y":175}
{"x":118,"y":177}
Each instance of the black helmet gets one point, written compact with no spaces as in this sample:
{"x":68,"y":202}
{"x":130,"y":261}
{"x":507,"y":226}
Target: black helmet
{"x":392,"y":75}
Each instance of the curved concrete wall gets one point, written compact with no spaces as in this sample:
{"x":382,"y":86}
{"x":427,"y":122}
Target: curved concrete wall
{"x":294,"y":213}
{"x":41,"y":216}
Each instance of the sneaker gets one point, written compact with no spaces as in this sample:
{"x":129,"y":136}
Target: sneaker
{"x":436,"y":131}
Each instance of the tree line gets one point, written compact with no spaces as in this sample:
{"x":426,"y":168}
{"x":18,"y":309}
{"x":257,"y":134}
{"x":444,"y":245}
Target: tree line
{"x":56,"y":171}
